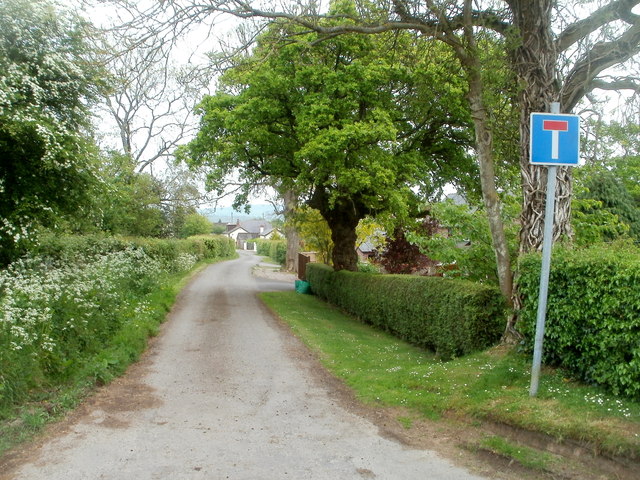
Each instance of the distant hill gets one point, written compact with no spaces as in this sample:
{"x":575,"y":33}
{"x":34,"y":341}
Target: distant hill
{"x":229,"y":215}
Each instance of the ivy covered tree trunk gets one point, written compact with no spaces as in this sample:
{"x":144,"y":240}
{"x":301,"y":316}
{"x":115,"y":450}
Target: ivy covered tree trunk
{"x":535,"y":61}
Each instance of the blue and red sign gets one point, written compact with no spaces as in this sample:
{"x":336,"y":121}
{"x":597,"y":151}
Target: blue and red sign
{"x":555,"y":139}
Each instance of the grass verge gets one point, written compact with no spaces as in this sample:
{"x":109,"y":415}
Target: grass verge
{"x":50,"y":402}
{"x":527,"y":457}
{"x":491,"y":385}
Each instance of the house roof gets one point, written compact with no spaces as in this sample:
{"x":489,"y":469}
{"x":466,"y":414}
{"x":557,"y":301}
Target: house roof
{"x":266,"y":233}
{"x":366,"y":247}
{"x":456,"y":198}
{"x":253,"y":226}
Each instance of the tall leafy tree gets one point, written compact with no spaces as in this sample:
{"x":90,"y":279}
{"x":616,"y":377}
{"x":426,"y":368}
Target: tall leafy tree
{"x":559,"y":51}
{"x":196,"y":224}
{"x":614,"y":148}
{"x":47,"y":83}
{"x":130,"y":203}
{"x":615,"y":198}
{"x":335,"y":123}
{"x":562,"y":57}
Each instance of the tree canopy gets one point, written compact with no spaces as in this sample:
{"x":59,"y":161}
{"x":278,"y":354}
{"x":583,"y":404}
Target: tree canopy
{"x":47,"y":84}
{"x":341,"y":124}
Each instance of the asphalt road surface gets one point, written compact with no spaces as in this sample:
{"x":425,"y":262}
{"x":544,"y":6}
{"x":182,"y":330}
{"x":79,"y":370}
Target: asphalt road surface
{"x":223,"y":392}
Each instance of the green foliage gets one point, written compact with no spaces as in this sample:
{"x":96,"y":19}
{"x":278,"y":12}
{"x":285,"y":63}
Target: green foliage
{"x":47,"y":85}
{"x":275,"y":249}
{"x":130,"y":203}
{"x":614,"y":149}
{"x":372,"y":232}
{"x":63,"y":310}
{"x":263,"y":247}
{"x":594,"y":224}
{"x":278,"y":251}
{"x":525,"y":456}
{"x":195,"y":224}
{"x":218,"y":229}
{"x":593,"y":314}
{"x":366,"y":267}
{"x":465,"y":242}
{"x":450,"y":317}
{"x":338,"y":123}
{"x":314,"y":232}
{"x":66,"y":249}
{"x":607,"y":193}
{"x":611,"y":192}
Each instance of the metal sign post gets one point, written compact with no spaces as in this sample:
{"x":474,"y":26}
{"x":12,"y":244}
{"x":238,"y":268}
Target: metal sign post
{"x":554,"y":141}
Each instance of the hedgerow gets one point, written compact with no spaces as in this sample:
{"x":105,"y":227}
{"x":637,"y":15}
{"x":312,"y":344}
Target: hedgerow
{"x":65,"y":304}
{"x":67,"y":249}
{"x":593,"y":314}
{"x":274,"y":249}
{"x":450,"y":317}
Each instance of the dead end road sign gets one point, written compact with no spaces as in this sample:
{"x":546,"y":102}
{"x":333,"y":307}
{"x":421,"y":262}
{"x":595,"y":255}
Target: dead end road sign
{"x":555,"y":139}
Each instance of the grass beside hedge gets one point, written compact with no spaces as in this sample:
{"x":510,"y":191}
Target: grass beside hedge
{"x":593,"y":314}
{"x":450,"y":317}
{"x":491,"y":385}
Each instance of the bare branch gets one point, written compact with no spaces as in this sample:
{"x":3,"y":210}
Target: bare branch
{"x":600,"y":57}
{"x":615,"y":10}
{"x":617,"y":84}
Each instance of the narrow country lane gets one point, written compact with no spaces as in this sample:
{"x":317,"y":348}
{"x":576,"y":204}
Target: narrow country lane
{"x":221,"y":395}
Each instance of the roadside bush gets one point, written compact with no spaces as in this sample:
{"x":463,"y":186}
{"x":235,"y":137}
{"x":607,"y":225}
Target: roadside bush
{"x":593,"y":314}
{"x":211,"y":246}
{"x":171,"y":253}
{"x":278,"y":251}
{"x":52,"y":318}
{"x":263,"y":247}
{"x":450,"y":317}
{"x":62,"y":309}
{"x":274,"y":249}
{"x":67,"y":248}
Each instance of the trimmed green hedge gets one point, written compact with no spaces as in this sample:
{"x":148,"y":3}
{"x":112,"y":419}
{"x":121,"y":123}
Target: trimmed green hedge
{"x":263,"y":247}
{"x":274,"y":249}
{"x":450,"y":317}
{"x":593,"y":314}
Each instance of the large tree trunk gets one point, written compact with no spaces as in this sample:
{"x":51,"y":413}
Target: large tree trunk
{"x":343,"y":234}
{"x":291,"y":233}
{"x":342,"y":216}
{"x":534,"y":61}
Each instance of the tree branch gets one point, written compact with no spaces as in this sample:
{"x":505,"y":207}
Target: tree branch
{"x":601,"y":56}
{"x":615,"y":10}
{"x":617,"y":84}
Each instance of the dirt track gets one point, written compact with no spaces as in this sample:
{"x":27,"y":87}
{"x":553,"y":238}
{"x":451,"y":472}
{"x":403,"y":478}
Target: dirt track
{"x":223,"y":392}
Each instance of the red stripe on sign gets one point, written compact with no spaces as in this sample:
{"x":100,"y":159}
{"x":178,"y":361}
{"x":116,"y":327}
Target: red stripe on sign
{"x":560,"y":125}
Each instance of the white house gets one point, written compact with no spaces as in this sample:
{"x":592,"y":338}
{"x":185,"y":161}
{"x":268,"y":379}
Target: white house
{"x":243,"y":232}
